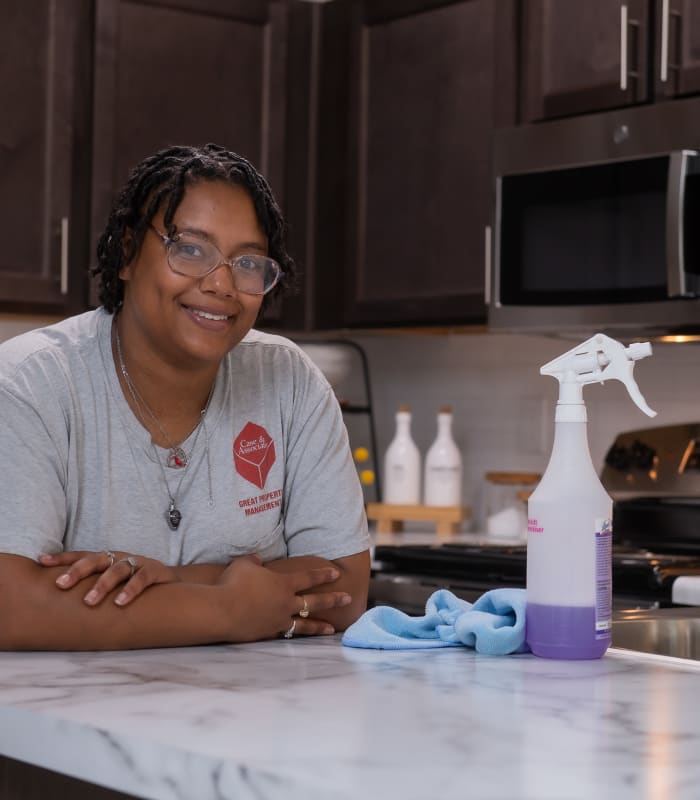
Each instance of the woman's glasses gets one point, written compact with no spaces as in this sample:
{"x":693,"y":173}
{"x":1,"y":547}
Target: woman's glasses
{"x":189,"y":255}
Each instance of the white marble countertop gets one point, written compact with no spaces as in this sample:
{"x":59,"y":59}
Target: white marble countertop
{"x":311,"y":719}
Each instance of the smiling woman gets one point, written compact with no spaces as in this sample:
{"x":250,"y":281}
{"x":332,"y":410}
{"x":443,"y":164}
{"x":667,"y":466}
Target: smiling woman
{"x":195,"y":474}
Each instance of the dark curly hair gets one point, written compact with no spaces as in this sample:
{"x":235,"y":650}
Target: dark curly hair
{"x":161,"y":179}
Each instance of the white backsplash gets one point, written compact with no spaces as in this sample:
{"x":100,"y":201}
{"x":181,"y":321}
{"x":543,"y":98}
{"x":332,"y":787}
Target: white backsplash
{"x":503,"y":408}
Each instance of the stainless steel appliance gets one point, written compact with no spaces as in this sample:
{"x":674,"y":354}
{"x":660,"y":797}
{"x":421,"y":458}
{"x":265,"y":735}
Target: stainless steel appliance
{"x":653,"y":476}
{"x":595,"y":223}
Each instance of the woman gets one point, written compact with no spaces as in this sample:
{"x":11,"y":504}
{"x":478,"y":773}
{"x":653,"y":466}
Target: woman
{"x":172,"y":477}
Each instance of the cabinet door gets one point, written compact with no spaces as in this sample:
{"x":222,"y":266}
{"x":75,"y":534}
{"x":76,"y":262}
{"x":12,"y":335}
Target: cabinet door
{"x":583,"y":56}
{"x":42,"y":150}
{"x":187,"y":72}
{"x":423,"y":109}
{"x":677,"y":39}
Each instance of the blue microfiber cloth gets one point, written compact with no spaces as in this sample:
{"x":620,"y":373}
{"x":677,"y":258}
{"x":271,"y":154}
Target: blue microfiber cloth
{"x":493,"y":625}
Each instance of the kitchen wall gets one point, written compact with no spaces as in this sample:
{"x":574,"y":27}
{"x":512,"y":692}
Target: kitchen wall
{"x":503,"y":408}
{"x":14,"y":324}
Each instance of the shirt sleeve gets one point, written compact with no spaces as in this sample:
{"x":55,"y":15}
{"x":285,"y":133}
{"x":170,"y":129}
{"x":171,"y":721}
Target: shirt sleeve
{"x":32,"y":487}
{"x":324,"y":505}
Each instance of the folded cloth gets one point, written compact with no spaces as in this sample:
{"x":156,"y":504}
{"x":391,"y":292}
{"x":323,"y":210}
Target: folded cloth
{"x":494,"y":624}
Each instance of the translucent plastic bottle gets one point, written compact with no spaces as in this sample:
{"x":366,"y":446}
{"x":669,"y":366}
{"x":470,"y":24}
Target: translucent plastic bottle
{"x":402,"y":464}
{"x":443,"y":466}
{"x":569,"y":569}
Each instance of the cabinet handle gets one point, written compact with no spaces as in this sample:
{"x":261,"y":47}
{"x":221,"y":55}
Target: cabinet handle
{"x":64,"y":255}
{"x":487,"y":264}
{"x":663,"y":70}
{"x":623,"y":47}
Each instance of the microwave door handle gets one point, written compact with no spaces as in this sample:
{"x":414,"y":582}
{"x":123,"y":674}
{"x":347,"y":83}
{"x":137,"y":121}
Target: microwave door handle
{"x":663,"y":69}
{"x":487,"y":265}
{"x":623,"y":47}
{"x":675,"y":262}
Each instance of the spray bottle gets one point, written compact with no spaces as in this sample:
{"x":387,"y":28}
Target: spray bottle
{"x":569,"y":567}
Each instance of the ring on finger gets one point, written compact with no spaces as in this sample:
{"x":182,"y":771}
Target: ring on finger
{"x":132,"y":562}
{"x":304,"y":613}
{"x":288,"y":634}
{"x":110,"y":555}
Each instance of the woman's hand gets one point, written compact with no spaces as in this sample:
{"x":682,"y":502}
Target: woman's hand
{"x":135,"y":572}
{"x":265,"y":604}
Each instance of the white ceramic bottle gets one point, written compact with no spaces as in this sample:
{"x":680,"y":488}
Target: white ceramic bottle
{"x":402,"y":465}
{"x":443,"y":466}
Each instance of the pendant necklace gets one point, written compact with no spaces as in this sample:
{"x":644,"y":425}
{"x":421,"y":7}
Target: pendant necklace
{"x":177,"y":456}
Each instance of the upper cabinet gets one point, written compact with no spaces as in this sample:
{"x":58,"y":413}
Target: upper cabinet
{"x":187,"y":72}
{"x":427,"y":83}
{"x":372,"y":120}
{"x":677,"y":35}
{"x":44,"y":135}
{"x":91,"y":87}
{"x":585,"y":57}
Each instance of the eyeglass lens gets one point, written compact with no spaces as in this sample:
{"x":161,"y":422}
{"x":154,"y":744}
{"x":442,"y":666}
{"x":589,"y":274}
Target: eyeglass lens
{"x":252,"y":274}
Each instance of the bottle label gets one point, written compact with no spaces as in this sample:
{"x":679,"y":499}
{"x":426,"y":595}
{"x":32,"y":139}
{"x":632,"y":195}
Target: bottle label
{"x":603,"y":577}
{"x":533,"y":526}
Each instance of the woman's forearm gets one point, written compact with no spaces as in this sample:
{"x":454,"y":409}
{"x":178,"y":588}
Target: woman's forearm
{"x":199,"y":573}
{"x":249,"y":602}
{"x":38,"y":616}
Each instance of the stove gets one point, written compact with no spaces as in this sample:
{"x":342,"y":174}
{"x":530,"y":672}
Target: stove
{"x":406,"y":575}
{"x":653,"y":476}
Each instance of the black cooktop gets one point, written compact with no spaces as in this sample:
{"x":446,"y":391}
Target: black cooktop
{"x":635,"y":571}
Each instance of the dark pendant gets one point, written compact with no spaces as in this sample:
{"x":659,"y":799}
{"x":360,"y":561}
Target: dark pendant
{"x":177,"y":458}
{"x":174,"y":517}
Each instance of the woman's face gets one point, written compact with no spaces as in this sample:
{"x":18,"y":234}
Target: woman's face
{"x":194,"y":321}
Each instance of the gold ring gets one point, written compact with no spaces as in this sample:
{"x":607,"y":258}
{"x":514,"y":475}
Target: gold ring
{"x":288,"y":634}
{"x":132,"y":562}
{"x":110,"y":555}
{"x":304,"y":613}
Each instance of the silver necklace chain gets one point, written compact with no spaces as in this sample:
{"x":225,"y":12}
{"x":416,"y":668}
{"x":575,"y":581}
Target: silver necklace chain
{"x":173,"y":515}
{"x":177,"y":457}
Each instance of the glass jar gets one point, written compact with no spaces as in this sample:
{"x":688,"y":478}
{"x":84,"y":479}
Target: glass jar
{"x":505,"y":505}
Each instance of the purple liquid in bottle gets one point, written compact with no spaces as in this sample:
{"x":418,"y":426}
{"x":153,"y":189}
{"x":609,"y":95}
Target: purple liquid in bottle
{"x":566,"y":632}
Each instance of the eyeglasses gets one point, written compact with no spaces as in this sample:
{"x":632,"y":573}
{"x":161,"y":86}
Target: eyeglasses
{"x":195,"y":257}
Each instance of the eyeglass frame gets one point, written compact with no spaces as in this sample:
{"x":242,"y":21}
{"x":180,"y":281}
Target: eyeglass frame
{"x":230,"y":262}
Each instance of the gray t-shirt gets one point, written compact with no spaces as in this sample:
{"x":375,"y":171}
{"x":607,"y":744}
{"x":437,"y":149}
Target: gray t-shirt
{"x":270,"y":472}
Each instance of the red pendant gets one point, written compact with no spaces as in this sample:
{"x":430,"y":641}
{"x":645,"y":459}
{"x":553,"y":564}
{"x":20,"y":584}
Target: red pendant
{"x":177,"y":458}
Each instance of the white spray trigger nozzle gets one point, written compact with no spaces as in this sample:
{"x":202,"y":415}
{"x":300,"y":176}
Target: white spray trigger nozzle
{"x":597,"y":360}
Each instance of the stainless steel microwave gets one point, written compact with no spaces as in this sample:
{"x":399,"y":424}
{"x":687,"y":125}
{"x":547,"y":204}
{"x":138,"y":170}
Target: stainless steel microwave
{"x":597,"y":223}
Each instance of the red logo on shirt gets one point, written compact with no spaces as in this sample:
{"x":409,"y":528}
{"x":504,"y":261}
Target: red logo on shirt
{"x":254,"y":454}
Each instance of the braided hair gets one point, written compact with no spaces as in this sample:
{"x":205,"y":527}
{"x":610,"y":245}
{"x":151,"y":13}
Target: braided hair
{"x":161,"y":179}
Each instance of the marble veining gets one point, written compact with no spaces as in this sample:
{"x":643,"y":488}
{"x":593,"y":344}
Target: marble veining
{"x":312,"y":719}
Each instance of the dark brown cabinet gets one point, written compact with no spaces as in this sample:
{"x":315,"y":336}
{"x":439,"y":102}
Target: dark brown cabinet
{"x":44,"y":131}
{"x":372,"y":120}
{"x":92,"y":86}
{"x":585,"y":57}
{"x":187,"y":72}
{"x":677,"y":32}
{"x":427,"y":83}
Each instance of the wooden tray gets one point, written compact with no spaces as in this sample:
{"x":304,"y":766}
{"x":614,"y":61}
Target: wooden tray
{"x":390,"y":518}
